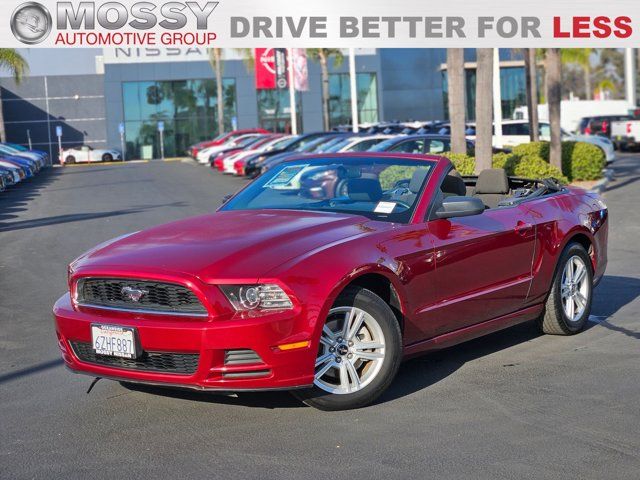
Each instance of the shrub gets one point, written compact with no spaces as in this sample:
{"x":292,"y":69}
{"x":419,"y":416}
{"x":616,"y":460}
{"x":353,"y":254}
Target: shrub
{"x":465,"y":164}
{"x":580,"y":160}
{"x":585,"y":161}
{"x":535,"y":168}
{"x":390,"y":175}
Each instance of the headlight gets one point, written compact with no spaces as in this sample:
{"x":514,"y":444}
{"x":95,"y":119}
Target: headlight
{"x":252,"y":297}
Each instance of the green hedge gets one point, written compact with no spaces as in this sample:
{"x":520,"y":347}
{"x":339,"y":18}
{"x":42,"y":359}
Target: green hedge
{"x":531,"y":166}
{"x":580,"y":160}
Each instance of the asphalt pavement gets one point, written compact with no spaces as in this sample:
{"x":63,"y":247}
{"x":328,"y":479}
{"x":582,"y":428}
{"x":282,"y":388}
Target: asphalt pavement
{"x":515,"y":404}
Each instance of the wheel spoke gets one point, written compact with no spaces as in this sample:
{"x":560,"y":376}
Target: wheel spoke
{"x":369,"y":355}
{"x":348,"y":320}
{"x":579,"y":274}
{"x":367,"y":346}
{"x":324,"y":359}
{"x":324,"y":370}
{"x":344,"y":377}
{"x":355,"y":326}
{"x":570,"y":308}
{"x":328,"y":333}
{"x":355,"y":378}
{"x":581,"y":301}
{"x":569,"y":271}
{"x":566,"y":291}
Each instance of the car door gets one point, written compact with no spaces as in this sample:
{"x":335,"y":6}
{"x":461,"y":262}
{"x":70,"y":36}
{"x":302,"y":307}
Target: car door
{"x":85,"y":154}
{"x":414,"y":145}
{"x":483,"y":268}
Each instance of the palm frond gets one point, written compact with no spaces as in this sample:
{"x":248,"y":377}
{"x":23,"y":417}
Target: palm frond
{"x":15,"y":63}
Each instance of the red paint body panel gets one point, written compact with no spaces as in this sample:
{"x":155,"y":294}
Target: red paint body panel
{"x":455,"y":279}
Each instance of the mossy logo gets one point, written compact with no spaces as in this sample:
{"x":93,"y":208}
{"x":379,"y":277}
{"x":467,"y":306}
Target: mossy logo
{"x":31,"y":23}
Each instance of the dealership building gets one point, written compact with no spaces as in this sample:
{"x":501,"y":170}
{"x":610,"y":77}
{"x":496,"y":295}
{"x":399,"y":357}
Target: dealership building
{"x":90,"y":93}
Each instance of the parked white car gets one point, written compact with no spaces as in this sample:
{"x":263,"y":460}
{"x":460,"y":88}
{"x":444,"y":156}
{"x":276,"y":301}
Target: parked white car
{"x":204,"y":155}
{"x":516,"y":132}
{"x":231,"y":160}
{"x":86,"y":153}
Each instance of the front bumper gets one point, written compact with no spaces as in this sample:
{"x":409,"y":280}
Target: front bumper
{"x":210,"y":340}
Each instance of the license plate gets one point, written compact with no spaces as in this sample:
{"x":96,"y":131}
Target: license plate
{"x":114,"y":341}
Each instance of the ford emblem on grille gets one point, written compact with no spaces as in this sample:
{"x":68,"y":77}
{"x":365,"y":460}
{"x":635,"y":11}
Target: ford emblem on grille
{"x":133,"y":294}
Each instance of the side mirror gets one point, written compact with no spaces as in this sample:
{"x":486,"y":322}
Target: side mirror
{"x":452,"y":207}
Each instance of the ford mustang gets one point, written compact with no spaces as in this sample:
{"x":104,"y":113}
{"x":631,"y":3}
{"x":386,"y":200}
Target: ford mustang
{"x":325,"y":292}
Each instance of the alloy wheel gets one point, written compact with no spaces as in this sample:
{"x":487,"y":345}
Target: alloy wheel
{"x":351,"y":352}
{"x":574,"y":288}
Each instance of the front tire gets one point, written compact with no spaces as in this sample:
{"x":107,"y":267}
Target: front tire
{"x":359,"y":353}
{"x":569,"y":303}
{"x":107,"y":157}
{"x":70,"y":159}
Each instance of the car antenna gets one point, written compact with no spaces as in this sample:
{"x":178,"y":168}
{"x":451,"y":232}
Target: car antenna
{"x":95,"y":380}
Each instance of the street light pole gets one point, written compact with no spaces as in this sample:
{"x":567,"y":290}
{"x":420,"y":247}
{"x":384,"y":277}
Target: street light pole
{"x":630,"y":76}
{"x":292,"y":94}
{"x":497,"y":99}
{"x":354,"y":90}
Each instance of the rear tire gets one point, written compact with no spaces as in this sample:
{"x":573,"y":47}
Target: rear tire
{"x":107,"y":158}
{"x":70,"y":159}
{"x":569,"y":302}
{"x":358,"y":366}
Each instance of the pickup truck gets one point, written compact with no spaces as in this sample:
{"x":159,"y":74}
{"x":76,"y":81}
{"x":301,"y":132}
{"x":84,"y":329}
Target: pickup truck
{"x":626,"y":134}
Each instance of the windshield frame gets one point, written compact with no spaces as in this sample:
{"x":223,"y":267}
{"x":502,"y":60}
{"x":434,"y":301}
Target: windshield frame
{"x":409,"y":160}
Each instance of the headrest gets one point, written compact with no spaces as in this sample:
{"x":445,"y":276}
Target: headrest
{"x":364,"y":190}
{"x":417,"y":179}
{"x":454,"y":184}
{"x":492,"y":180}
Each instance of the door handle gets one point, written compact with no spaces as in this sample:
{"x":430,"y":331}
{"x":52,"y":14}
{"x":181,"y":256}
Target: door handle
{"x":523,"y":228}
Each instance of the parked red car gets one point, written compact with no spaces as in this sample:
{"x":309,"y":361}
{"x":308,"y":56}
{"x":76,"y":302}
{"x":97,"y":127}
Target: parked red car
{"x":222,"y":138}
{"x":282,"y":290}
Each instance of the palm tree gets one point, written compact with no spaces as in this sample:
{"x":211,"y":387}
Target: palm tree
{"x":553,"y":73}
{"x":215,"y":59}
{"x":15,"y":63}
{"x":531,"y":76}
{"x":582,"y":58}
{"x":484,"y":108}
{"x":456,"y":98}
{"x":323,"y":55}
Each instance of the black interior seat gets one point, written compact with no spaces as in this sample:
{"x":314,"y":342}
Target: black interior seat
{"x":415,"y":184}
{"x":492,"y":186}
{"x":364,"y":190}
{"x":453,"y":185}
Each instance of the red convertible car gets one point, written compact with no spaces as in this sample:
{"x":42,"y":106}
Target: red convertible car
{"x":325,"y":294}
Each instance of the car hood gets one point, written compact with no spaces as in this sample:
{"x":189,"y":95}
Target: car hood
{"x":242,"y":245}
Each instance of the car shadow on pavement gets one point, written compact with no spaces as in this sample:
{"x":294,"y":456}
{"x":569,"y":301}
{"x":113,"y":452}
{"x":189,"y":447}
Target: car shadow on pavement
{"x":16,"y":197}
{"x":419,"y":373}
{"x":79,"y":217}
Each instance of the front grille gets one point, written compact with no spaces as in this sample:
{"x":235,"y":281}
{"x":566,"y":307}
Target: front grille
{"x":241,"y":357}
{"x":167,"y":298}
{"x":177,"y":363}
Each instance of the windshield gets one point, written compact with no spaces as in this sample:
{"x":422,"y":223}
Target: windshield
{"x":384,"y":189}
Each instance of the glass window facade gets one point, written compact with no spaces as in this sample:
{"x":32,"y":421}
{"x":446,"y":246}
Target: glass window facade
{"x":340,"y":98}
{"x":513,"y":89}
{"x":274,"y":110}
{"x":188,"y":109}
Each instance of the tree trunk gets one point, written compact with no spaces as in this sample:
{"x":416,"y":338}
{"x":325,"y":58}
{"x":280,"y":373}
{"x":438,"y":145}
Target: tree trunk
{"x":532,"y":93}
{"x":456,"y":97}
{"x":219,"y":93}
{"x":325,"y":91}
{"x":484,"y":109}
{"x":3,"y":133}
{"x":588,"y":89}
{"x":553,"y":67}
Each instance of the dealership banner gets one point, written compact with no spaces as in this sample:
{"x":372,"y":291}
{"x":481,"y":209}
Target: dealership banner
{"x":328,"y":23}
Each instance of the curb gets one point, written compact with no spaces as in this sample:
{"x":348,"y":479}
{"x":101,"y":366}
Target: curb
{"x":127,"y":162}
{"x":601,"y":186}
